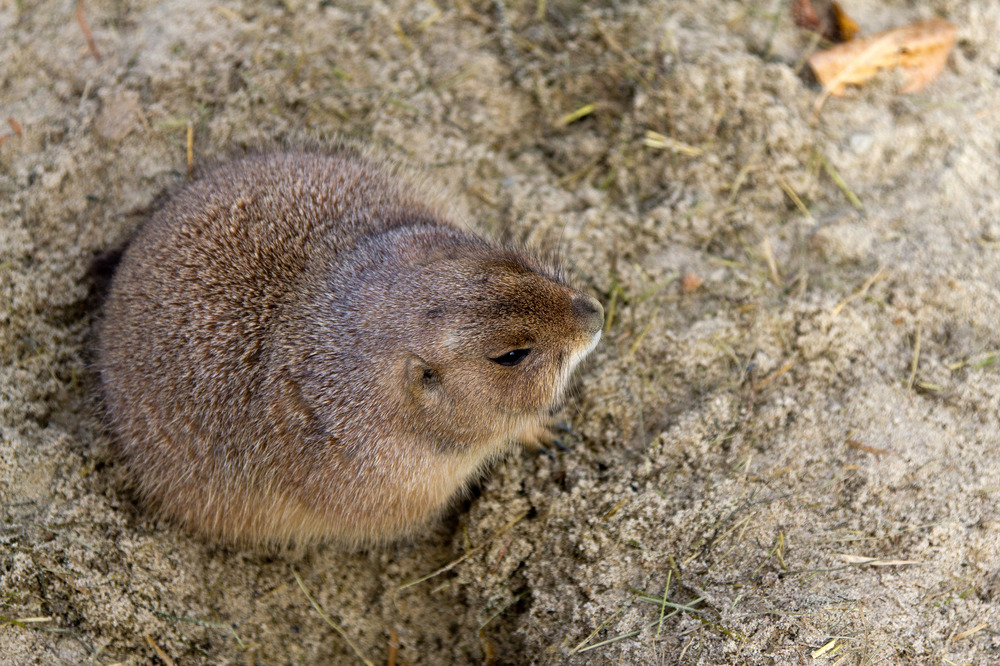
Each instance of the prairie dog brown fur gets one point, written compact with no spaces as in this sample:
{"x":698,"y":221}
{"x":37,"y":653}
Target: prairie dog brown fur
{"x":298,"y":347}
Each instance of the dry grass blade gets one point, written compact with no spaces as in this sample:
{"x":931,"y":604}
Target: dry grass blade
{"x":663,"y":142}
{"x":741,"y":175}
{"x":87,"y":34}
{"x":989,"y":359}
{"x":879,"y":274}
{"x":614,"y":639}
{"x":686,"y":608}
{"x":190,"y":149}
{"x":663,"y":606}
{"x":403,"y":37}
{"x":966,"y":634}
{"x":788,"y":365}
{"x":201,"y":623}
{"x":638,"y":341}
{"x":12,"y":621}
{"x":915,"y":362}
{"x":854,"y":444}
{"x":574,"y":116}
{"x":164,"y":657}
{"x":451,"y":565}
{"x":839,"y":181}
{"x":823,"y":650}
{"x":432,"y":19}
{"x":393,"y":647}
{"x":793,"y":195}
{"x":772,"y":264}
{"x":614,"y":509}
{"x":502,"y":608}
{"x":326,"y":618}
{"x":874,"y":561}
{"x":580,"y":646}
{"x":610,"y":311}
{"x":228,"y":13}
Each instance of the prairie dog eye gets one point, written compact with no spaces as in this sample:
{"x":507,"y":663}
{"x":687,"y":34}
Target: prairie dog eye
{"x":512,"y":357}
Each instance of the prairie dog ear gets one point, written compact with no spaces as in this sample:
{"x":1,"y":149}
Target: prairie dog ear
{"x":420,"y":376}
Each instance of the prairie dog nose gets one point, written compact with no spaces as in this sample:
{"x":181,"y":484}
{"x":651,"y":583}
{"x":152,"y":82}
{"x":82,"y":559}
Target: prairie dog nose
{"x":589,"y":312}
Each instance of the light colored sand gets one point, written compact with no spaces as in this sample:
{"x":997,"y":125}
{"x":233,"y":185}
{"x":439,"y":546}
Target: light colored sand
{"x":723,"y":440}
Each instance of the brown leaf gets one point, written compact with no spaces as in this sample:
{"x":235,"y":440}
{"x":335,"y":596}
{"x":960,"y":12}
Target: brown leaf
{"x":830,"y":20}
{"x":920,"y":48}
{"x":805,"y":16}
{"x":843,"y":24}
{"x":690,"y":282}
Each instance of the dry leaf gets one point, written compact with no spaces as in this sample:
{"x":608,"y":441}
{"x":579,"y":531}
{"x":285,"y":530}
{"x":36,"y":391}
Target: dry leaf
{"x":805,"y":16}
{"x":920,"y":48}
{"x":845,"y":26}
{"x":831,"y":21}
{"x":690,"y":282}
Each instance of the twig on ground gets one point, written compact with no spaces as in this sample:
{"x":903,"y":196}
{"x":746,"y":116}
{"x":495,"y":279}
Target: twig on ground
{"x":87,"y":34}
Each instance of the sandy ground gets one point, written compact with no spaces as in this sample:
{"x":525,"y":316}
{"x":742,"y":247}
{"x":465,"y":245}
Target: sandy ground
{"x":802,"y":449}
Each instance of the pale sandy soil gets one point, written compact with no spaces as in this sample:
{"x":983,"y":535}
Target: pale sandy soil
{"x":791,"y":469}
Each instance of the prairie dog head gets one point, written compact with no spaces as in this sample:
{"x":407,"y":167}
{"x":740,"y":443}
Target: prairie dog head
{"x":445,"y":335}
{"x":498,"y":337}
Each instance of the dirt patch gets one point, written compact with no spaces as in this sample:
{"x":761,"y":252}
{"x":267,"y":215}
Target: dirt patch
{"x":801,"y":449}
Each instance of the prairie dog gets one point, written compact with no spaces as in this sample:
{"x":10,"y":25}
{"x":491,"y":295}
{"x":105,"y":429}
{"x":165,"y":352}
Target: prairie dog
{"x":298,"y":347}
